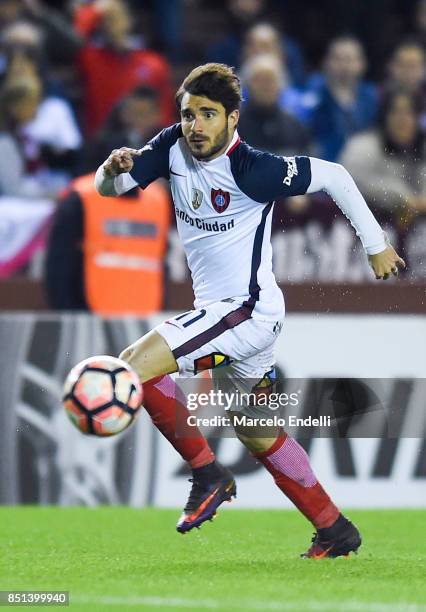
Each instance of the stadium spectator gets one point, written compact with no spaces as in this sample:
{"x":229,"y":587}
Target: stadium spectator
{"x":264,"y":39}
{"x":107,"y":254}
{"x":259,"y":39}
{"x":17,"y":100}
{"x":263,"y":124}
{"x":60,"y":41}
{"x":134,"y":121}
{"x":338,"y":102}
{"x":40,"y":134}
{"x":113,"y":62}
{"x":407,"y":71}
{"x":243,"y":16}
{"x":407,"y":67}
{"x":389,"y":162}
{"x":23,"y":42}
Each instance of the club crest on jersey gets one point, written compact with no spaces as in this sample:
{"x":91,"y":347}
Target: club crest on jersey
{"x":197,"y":198}
{"x":220,"y":200}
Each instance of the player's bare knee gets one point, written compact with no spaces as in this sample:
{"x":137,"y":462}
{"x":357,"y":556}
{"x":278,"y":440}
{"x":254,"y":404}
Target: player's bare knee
{"x":257,"y":439}
{"x":256,"y":444}
{"x":150,"y":357}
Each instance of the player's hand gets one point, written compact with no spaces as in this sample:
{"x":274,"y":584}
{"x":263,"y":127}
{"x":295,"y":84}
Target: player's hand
{"x":386,"y":263}
{"x":120,"y":160}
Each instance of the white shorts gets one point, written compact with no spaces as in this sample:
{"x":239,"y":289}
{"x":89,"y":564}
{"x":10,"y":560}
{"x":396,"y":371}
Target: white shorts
{"x":224,"y":338}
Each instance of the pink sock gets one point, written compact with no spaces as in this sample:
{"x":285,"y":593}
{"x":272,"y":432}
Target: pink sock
{"x":289,"y":464}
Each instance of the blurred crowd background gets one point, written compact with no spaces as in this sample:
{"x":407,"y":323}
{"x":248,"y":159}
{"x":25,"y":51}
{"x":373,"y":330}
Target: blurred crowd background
{"x":344,"y":81}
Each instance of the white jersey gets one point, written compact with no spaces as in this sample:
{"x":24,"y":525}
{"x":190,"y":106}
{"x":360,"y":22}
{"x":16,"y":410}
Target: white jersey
{"x":223,"y":217}
{"x":226,"y":234}
{"x":224,"y":210}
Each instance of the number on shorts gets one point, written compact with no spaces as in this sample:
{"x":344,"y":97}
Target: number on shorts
{"x":197,"y":318}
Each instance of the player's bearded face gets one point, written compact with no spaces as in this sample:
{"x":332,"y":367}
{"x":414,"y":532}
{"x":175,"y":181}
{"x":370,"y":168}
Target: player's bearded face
{"x":206,"y":127}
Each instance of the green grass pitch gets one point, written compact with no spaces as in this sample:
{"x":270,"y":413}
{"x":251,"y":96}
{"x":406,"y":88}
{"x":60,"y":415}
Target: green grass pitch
{"x":115,"y":558}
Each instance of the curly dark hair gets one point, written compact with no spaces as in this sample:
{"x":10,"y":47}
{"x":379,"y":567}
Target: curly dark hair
{"x":217,"y":82}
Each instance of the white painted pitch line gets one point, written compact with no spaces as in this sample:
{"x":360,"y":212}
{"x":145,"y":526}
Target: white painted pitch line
{"x":284,"y":606}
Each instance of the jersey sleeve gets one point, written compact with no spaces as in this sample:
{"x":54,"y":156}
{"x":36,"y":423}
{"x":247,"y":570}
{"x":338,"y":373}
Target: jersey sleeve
{"x":264,"y":177}
{"x":338,"y":183}
{"x":153,"y":163}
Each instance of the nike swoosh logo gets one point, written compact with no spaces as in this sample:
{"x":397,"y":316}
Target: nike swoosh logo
{"x":322,"y":554}
{"x":202,"y":506}
{"x":171,"y":323}
{"x":176,"y":174}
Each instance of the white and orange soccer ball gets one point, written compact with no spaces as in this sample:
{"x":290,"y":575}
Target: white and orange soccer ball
{"x":102,"y":395}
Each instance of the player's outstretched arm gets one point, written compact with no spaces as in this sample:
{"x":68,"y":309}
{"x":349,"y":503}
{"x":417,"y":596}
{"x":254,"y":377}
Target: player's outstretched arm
{"x":338,"y":183}
{"x":126,"y":168}
{"x":112,"y":177}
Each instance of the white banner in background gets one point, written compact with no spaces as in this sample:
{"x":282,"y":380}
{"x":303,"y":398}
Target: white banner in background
{"x":21,"y":223}
{"x":358,"y":473}
{"x":43,"y":460}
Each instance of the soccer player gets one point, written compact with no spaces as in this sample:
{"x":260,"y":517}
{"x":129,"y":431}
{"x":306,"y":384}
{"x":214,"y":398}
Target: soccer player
{"x":224,"y":192}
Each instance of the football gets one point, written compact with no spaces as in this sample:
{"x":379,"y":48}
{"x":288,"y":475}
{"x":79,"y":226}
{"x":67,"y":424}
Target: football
{"x":102,"y":395}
